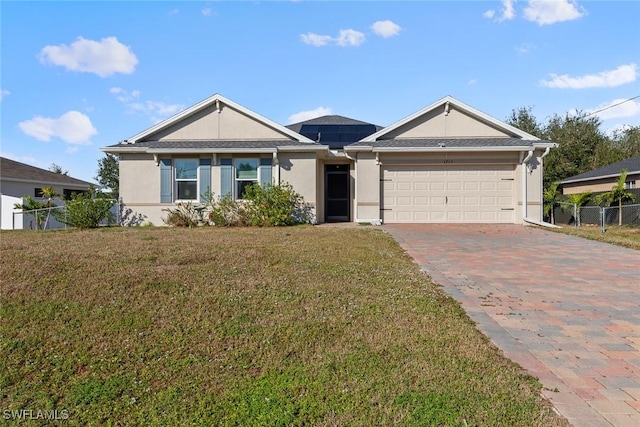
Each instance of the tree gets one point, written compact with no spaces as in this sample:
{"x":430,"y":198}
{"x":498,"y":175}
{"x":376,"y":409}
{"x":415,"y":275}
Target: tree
{"x":550,"y":196}
{"x":627,"y":140}
{"x":50,"y":194}
{"x":579,"y":140}
{"x":524,"y":120}
{"x":86,"y":209}
{"x":578,"y":200}
{"x":36,"y":208}
{"x":55,"y":168}
{"x":109,"y":174}
{"x":617,"y":194}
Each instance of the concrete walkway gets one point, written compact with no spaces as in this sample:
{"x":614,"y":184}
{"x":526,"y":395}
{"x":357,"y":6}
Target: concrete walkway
{"x":566,"y":309}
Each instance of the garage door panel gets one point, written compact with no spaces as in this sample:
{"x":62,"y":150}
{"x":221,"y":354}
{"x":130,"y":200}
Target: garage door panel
{"x":451,"y":193}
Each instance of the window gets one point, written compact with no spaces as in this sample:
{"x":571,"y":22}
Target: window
{"x":630,"y":185}
{"x":246,"y":175}
{"x":186,"y":179}
{"x":38,"y":192}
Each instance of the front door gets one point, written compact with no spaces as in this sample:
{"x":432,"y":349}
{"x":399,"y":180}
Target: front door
{"x":336,"y":190}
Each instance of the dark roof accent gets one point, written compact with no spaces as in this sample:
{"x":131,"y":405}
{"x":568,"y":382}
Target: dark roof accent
{"x":20,"y":171}
{"x":448,"y":143}
{"x":330,"y":120}
{"x":216,"y":144}
{"x":632,"y":165}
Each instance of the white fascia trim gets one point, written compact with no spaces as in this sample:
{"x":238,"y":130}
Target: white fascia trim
{"x":208,"y":150}
{"x":446,"y":149}
{"x":358,"y":148}
{"x":462,"y":106}
{"x":297,"y":148}
{"x":615,"y":175}
{"x":210,"y":101}
{"x":124,"y":149}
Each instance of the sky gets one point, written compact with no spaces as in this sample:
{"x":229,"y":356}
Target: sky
{"x":77,"y":76}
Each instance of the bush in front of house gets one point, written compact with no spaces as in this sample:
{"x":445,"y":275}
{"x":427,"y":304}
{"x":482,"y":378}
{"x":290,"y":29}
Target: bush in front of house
{"x":262,"y":206}
{"x":87,"y":209}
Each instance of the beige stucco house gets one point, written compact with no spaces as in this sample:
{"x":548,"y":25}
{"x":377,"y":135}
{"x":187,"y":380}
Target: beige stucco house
{"x":448,"y":162}
{"x":604,"y":178}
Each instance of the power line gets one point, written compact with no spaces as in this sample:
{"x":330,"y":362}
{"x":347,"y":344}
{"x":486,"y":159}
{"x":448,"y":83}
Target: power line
{"x":611,"y":106}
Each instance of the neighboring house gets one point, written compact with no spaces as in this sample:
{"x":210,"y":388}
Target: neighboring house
{"x":446,"y":163}
{"x":18,"y":180}
{"x":605,"y":178}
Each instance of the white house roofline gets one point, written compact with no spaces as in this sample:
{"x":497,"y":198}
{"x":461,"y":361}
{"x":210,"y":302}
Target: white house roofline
{"x":462,"y":106}
{"x":595,"y":178}
{"x":50,"y":183}
{"x":217,"y":98}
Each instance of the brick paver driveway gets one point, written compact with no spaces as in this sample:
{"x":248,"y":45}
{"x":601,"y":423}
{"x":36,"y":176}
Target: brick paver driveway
{"x":566,"y":309}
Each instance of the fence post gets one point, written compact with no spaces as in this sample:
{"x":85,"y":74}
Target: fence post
{"x":602,"y":216}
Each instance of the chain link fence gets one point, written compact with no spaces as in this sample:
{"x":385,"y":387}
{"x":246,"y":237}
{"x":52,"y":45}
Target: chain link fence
{"x":565,"y":213}
{"x":53,"y":218}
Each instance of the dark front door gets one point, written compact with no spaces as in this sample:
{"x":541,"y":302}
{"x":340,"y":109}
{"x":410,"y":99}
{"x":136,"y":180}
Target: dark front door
{"x":336,"y":190}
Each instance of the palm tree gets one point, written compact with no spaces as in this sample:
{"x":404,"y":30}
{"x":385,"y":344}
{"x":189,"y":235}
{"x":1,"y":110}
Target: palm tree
{"x":617,"y":194}
{"x":550,"y":196}
{"x":50,"y":194}
{"x":29,"y":204}
{"x":578,"y":200}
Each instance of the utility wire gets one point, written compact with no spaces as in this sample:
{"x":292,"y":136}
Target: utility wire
{"x":611,"y":106}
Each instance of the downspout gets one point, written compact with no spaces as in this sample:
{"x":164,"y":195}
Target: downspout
{"x":524,"y":191}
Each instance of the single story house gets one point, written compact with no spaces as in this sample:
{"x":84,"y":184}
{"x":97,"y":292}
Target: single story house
{"x":605,"y":178}
{"x":448,"y":162}
{"x":19,"y":179}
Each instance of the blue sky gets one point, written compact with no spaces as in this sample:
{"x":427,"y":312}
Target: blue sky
{"x":77,"y":76}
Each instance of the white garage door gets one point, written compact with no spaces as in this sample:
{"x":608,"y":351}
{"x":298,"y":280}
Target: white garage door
{"x":462,"y":194}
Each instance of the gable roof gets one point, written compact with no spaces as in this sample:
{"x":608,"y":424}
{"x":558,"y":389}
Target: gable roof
{"x":215,"y":99}
{"x":632,"y":165}
{"x":10,"y":170}
{"x":449,"y":100}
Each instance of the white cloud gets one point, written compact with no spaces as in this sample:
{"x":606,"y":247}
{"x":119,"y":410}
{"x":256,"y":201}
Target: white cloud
{"x":174,"y":12}
{"x":346,"y":37}
{"x":616,"y":109}
{"x":104,"y":58}
{"x":524,"y":48}
{"x":72,"y":127}
{"x":316,"y":39}
{"x":307,"y":115}
{"x":3,"y":93}
{"x":350,"y":37}
{"x":621,"y":75}
{"x":207,"y":11}
{"x":547,"y":12}
{"x":506,"y":13}
{"x":472,"y":81}
{"x":156,"y":111}
{"x":386,"y":28}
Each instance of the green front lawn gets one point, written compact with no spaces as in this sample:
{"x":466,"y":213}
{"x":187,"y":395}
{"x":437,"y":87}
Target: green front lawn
{"x":214,"y":326}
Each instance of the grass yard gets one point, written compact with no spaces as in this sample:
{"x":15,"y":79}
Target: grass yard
{"x":628,"y":237}
{"x":244,"y":327}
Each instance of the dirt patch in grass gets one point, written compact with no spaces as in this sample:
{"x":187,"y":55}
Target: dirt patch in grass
{"x":293,"y":326}
{"x":628,"y":237}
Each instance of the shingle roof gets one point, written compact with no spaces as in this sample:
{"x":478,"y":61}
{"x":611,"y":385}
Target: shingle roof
{"x":447,"y":142}
{"x":330,"y":120}
{"x":632,"y":165}
{"x":10,"y":169}
{"x":216,"y":144}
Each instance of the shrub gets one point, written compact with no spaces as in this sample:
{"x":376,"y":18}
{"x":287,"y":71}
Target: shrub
{"x":263,"y":206}
{"x":275,"y":205}
{"x":184,"y":215}
{"x":86,"y":210}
